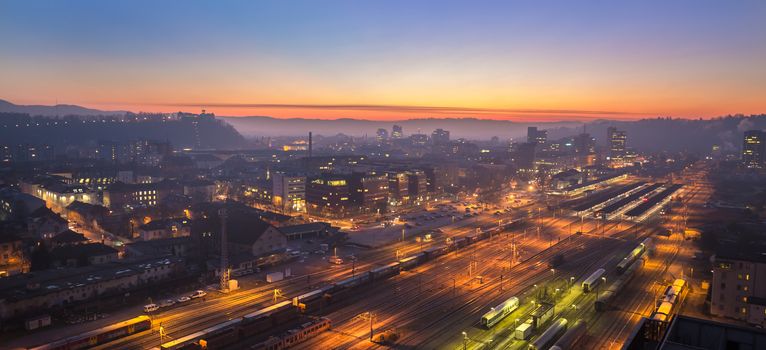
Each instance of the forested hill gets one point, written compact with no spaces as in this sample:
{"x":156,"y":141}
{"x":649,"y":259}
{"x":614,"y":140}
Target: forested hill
{"x":194,"y":132}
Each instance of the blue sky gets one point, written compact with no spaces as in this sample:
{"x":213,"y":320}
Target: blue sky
{"x":684,"y":58}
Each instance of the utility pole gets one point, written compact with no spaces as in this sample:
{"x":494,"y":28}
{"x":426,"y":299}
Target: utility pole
{"x":369,"y":315}
{"x":224,"y":283}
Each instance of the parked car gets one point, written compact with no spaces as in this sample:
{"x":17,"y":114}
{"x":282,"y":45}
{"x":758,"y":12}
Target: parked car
{"x":183,"y":299}
{"x":151,"y":308}
{"x":198,"y":294}
{"x":167,"y":303}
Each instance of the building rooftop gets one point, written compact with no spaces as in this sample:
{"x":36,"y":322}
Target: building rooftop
{"x":753,"y":253}
{"x":164,"y":223}
{"x":69,"y":237}
{"x":81,"y":251}
{"x":687,"y":333}
{"x":32,"y":284}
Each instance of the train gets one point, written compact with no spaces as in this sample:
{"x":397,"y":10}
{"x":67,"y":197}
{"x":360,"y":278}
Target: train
{"x":232,"y":331}
{"x":670,"y":299}
{"x":636,"y":253}
{"x":593,"y":280}
{"x":498,"y":313}
{"x":295,"y":336}
{"x":100,"y":336}
{"x":314,"y":301}
{"x":571,"y":337}
{"x":545,"y":340}
{"x":606,"y":297}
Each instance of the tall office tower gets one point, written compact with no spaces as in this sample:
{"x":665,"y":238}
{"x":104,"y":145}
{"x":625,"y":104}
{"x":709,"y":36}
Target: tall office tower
{"x":440,"y":137}
{"x":536,"y":136}
{"x":617,"y":140}
{"x":754,"y":149}
{"x":584,"y":144}
{"x":382,"y":135}
{"x":396,"y":132}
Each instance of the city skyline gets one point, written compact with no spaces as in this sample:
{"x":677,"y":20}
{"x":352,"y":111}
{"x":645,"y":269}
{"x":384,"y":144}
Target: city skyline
{"x":390,"y":61}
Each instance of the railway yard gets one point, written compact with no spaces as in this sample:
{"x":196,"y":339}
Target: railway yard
{"x":583,"y":274}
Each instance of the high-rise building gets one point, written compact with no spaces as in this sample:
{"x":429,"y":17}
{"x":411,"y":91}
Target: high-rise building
{"x":440,"y":137}
{"x":289,"y":192}
{"x":737,"y":288}
{"x":328,"y":195}
{"x":369,"y":191}
{"x":382,"y":135}
{"x":754,"y":149}
{"x":396,"y":132}
{"x":524,"y":155}
{"x":536,"y":136}
{"x":617,"y":140}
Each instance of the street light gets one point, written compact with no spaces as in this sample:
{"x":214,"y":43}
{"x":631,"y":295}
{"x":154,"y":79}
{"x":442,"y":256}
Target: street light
{"x":465,"y":340}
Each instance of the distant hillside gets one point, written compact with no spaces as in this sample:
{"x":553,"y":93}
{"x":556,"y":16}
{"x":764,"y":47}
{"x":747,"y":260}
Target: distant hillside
{"x":188,"y":132}
{"x":54,"y":111}
{"x":463,"y":127}
{"x":665,"y":134}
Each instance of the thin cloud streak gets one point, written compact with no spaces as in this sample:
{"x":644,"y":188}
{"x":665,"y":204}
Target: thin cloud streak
{"x":497,"y":112}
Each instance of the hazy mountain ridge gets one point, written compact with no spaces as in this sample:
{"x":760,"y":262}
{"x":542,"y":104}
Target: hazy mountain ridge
{"x":656,"y":134}
{"x":54,"y":111}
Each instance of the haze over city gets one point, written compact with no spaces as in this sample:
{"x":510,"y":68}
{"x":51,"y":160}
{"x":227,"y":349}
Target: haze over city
{"x":483,"y":175}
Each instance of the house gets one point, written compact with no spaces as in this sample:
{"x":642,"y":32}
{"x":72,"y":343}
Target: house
{"x":314,"y":229}
{"x":165,"y":228}
{"x":86,"y":214}
{"x":41,"y":291}
{"x":246,"y":232}
{"x":12,"y":259}
{"x":83,"y":255}
{"x":43,"y":223}
{"x":122,"y":196}
{"x":15,"y":205}
{"x":177,"y":247}
{"x":199,"y":191}
{"x":68,"y":237}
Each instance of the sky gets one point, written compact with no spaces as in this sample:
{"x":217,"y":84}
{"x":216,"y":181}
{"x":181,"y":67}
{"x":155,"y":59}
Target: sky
{"x":517,"y":60}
